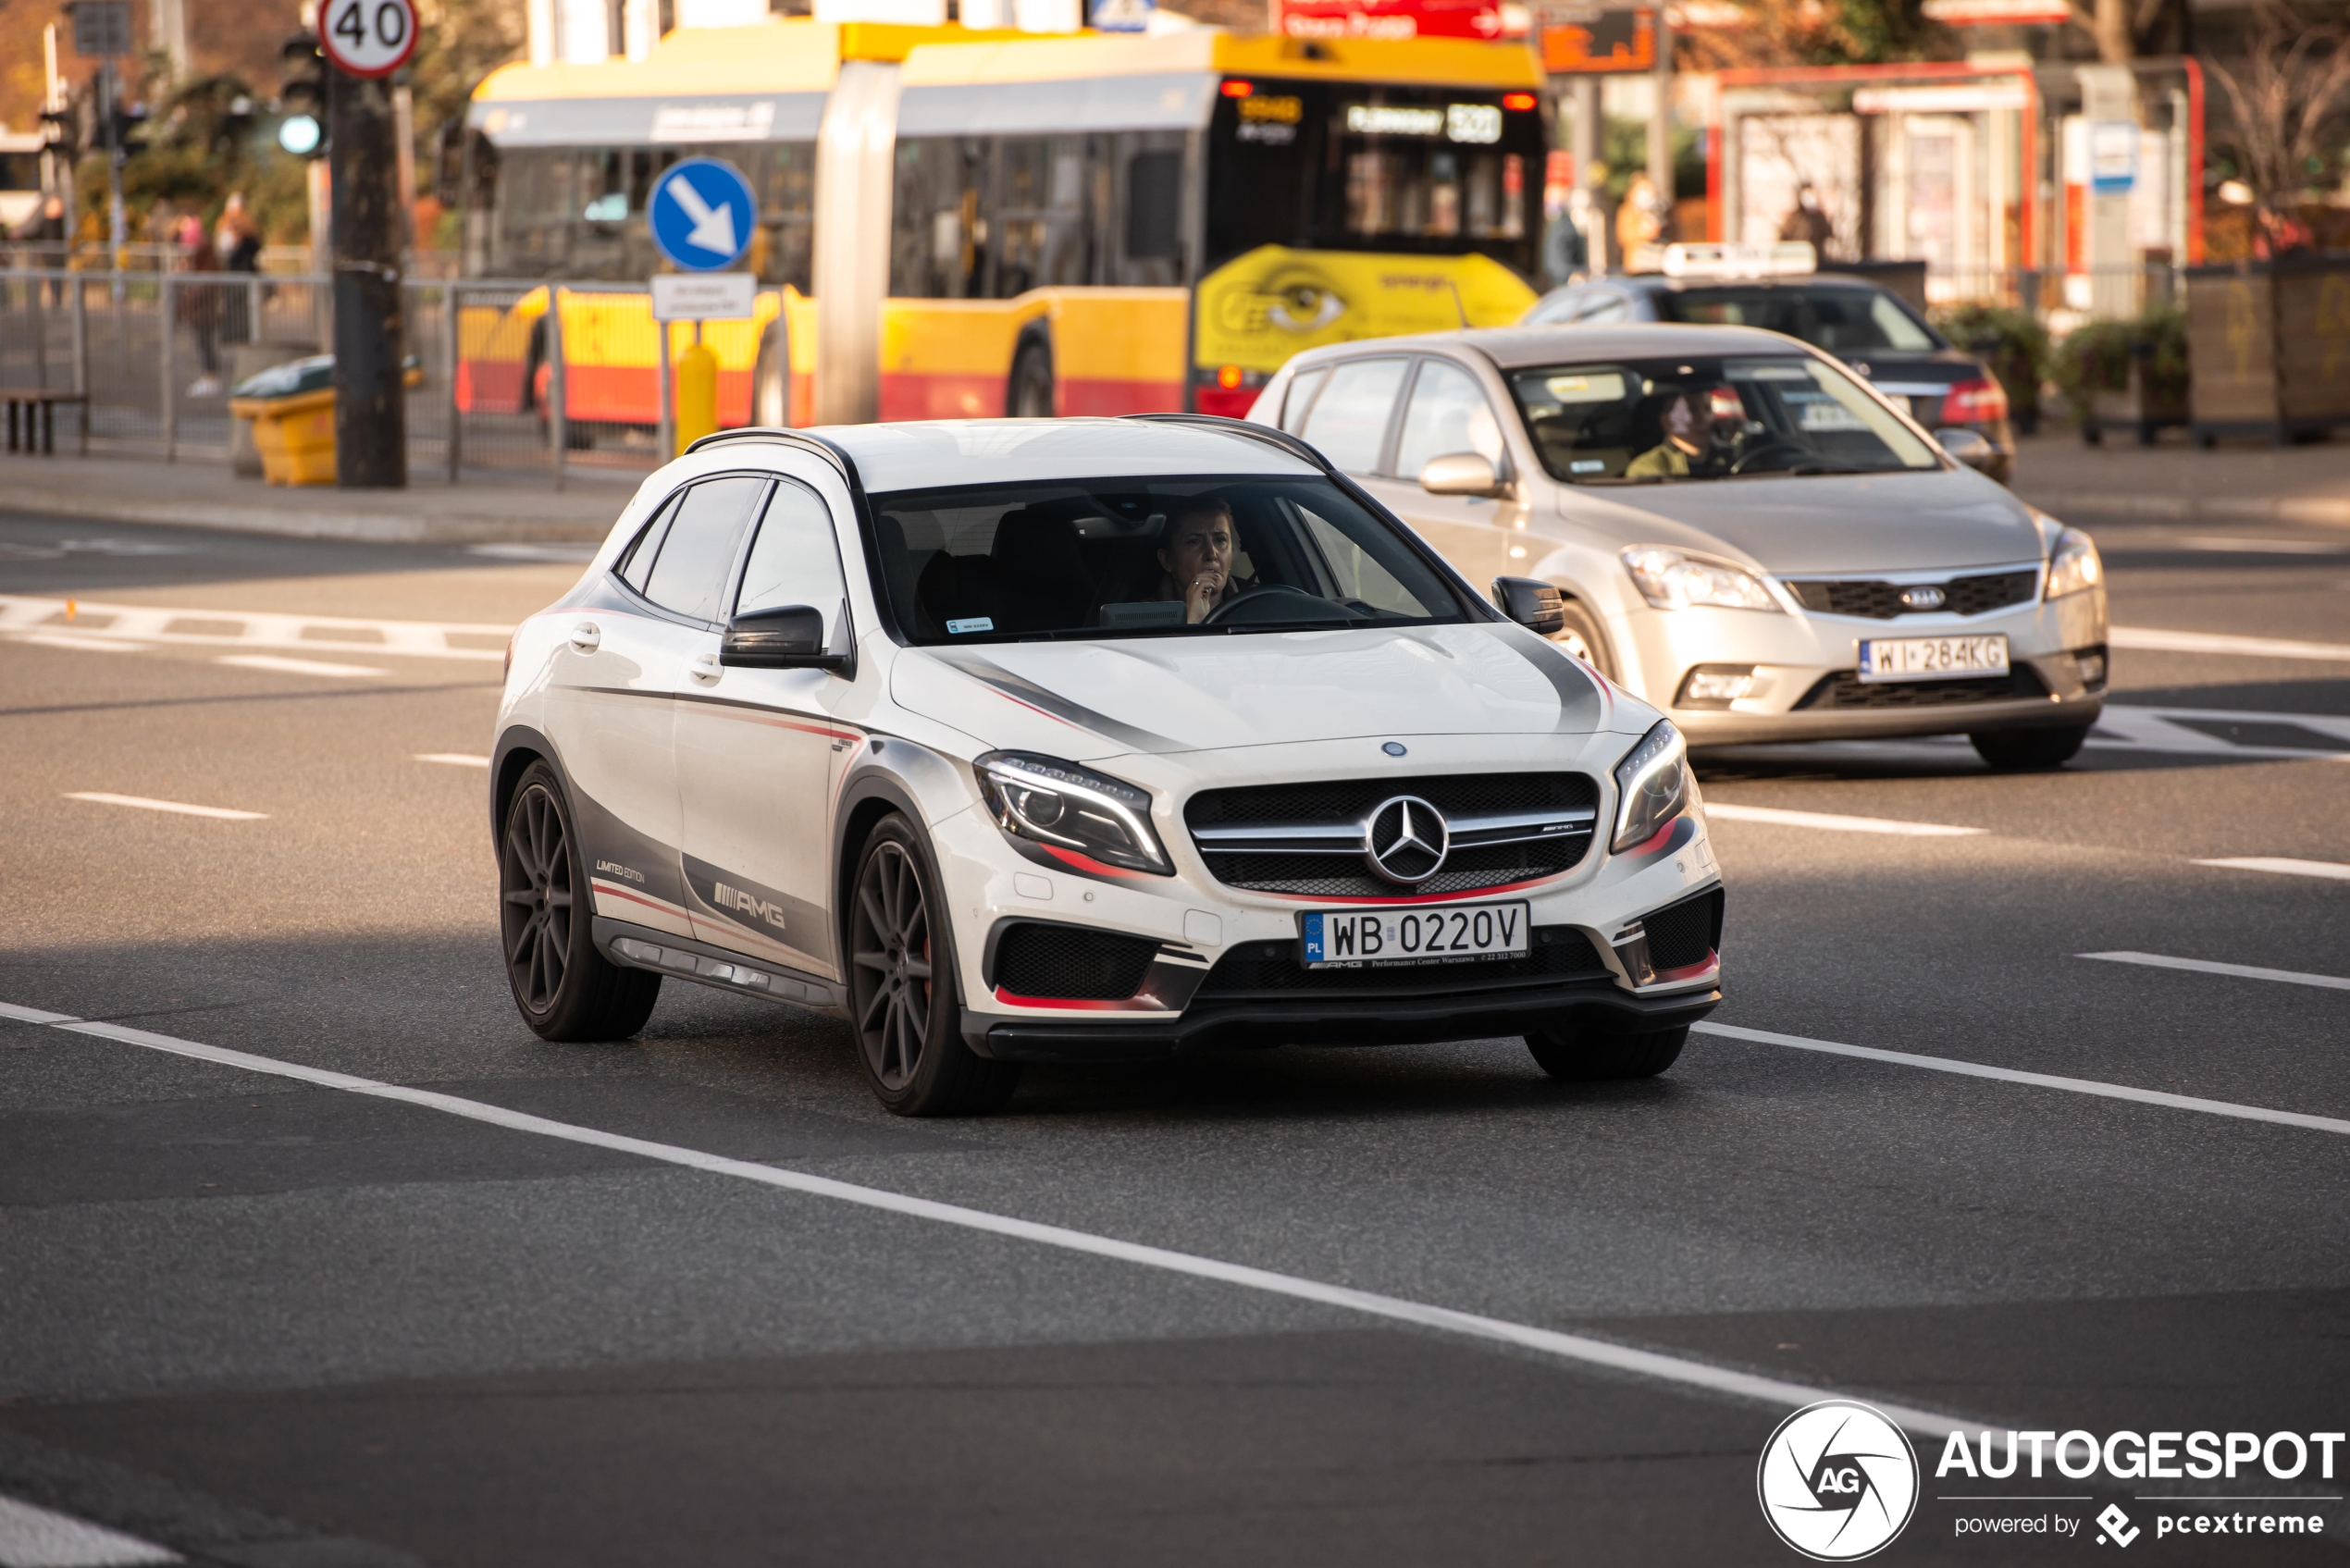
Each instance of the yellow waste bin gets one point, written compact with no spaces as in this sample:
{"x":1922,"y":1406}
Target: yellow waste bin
{"x":292,"y":410}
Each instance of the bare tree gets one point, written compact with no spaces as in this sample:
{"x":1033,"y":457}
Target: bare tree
{"x":2288,"y":95}
{"x":2114,"y":25}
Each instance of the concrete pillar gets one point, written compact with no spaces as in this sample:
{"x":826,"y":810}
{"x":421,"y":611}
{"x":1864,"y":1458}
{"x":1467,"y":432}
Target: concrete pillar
{"x":2109,"y":98}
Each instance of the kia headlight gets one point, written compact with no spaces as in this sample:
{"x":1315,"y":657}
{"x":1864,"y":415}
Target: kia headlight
{"x":1670,"y":579}
{"x":1651,"y":787}
{"x":1060,"y":805}
{"x":2074,"y":566}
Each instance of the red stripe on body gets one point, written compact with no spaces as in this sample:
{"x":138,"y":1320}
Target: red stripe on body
{"x":1418,"y":899}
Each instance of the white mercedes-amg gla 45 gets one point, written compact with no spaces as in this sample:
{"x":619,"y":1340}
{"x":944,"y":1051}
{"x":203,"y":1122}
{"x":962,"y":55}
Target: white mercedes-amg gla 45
{"x":1077,"y":740}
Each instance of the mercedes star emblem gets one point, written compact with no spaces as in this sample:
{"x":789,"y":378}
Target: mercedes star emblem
{"x":1407,"y":839}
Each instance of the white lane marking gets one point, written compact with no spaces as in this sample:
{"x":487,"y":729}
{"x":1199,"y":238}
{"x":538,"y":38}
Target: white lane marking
{"x":1666,"y":1369}
{"x":2282,"y":866}
{"x":20,"y":615}
{"x":35,"y":1537}
{"x":296,"y":666}
{"x":2205,"y":966}
{"x":82,"y":644}
{"x":2160,"y":729}
{"x":1834,"y":823}
{"x":145,"y":804}
{"x":2265,"y":547}
{"x":2150,"y":639}
{"x":454,"y":758}
{"x":2036,"y":1080}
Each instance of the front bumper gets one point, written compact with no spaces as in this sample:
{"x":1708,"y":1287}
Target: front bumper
{"x":1354,"y":1021}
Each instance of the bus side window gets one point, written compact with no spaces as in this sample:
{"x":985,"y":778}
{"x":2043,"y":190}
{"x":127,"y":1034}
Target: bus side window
{"x":1154,"y":206}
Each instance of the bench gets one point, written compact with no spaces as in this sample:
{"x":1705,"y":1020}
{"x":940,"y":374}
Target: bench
{"x":39,"y":418}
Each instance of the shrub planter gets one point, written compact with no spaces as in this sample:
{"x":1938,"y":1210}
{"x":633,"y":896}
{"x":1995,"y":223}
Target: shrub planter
{"x":2268,"y":347}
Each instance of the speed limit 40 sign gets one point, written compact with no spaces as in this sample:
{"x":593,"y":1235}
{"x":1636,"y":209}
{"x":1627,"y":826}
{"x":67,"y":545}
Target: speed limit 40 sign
{"x":367,"y":37}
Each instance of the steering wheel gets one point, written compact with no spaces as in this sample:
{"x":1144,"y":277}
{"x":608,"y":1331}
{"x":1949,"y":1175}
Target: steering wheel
{"x":1789,"y":448}
{"x":1272,"y":601}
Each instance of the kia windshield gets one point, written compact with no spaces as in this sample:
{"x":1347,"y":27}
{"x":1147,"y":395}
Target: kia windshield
{"x":1127,"y":558}
{"x":1679,"y":421}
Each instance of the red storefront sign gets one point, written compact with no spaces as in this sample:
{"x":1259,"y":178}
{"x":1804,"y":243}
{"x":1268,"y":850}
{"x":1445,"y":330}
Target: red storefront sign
{"x":1401,"y":19}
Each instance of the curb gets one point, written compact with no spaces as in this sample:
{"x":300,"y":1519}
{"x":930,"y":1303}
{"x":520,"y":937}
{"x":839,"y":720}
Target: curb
{"x":363,"y":527}
{"x":2321,"y":511}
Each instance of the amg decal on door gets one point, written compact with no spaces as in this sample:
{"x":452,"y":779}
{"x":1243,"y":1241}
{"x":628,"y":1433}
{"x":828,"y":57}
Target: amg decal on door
{"x":751,"y":904}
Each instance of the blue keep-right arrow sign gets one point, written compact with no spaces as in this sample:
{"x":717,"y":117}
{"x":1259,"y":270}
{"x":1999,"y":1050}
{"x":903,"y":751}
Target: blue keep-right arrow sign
{"x":702,"y":212}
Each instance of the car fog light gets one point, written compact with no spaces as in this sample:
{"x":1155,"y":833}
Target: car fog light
{"x":2092,"y":663}
{"x":1716,"y":685}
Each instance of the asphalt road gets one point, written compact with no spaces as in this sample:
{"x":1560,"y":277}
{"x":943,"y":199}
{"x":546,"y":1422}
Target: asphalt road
{"x":266,"y":1320}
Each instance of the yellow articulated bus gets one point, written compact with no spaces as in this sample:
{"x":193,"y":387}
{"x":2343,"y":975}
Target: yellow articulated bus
{"x":959,"y":224}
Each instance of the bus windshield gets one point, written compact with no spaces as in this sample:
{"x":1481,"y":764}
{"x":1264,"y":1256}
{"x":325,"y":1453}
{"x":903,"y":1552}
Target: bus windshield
{"x":1147,"y":557}
{"x":1358,"y":166}
{"x":1668,"y":420}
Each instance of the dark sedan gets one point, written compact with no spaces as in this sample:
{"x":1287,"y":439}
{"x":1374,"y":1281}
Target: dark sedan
{"x":1870,"y":328}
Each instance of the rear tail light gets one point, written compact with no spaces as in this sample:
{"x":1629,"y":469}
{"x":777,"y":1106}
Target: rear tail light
{"x":1980,"y":401}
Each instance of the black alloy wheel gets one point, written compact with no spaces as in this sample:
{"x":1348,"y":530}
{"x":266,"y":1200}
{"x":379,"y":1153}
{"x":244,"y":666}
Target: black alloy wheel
{"x":1032,"y":387}
{"x":1584,"y":1055}
{"x":1582,"y":637}
{"x":902,"y":988}
{"x":566,"y":990}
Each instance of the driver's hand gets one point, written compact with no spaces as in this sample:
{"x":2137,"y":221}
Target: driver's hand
{"x":1201,"y":595}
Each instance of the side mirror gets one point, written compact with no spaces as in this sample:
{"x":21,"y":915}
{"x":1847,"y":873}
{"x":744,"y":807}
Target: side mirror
{"x":1968,"y":448}
{"x":1535,"y":606}
{"x":791,"y":637}
{"x":1461,"y":474}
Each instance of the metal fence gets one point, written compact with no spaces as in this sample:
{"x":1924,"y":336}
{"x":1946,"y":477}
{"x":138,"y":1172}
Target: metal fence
{"x":156,"y":355}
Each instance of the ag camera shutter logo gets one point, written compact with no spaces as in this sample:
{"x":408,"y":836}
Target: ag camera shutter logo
{"x":1838,"y":1481}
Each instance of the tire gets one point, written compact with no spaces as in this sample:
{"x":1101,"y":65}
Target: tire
{"x":1030,"y":395}
{"x":901,"y":987}
{"x":1582,"y":637}
{"x":1592,"y":1057}
{"x":566,"y":990}
{"x":771,"y":382}
{"x":2020,"y":751}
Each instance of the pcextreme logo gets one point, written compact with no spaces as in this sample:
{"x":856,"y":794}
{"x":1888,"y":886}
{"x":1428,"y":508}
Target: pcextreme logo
{"x":1838,"y":1481}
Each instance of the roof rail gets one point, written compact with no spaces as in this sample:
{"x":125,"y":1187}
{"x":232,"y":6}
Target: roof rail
{"x":800,"y":439}
{"x":1245,"y":428}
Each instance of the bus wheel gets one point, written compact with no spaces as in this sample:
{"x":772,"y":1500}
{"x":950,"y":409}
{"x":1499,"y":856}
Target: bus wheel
{"x":1031,"y":395}
{"x":770,"y":381}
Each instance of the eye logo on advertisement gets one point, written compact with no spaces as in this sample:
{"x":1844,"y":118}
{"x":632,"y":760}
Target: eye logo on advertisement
{"x":1838,"y":1481}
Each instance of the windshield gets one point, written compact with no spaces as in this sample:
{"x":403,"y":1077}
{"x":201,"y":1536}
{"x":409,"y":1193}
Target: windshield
{"x":1844,"y":321}
{"x":1665,"y":421}
{"x":1116,"y":557}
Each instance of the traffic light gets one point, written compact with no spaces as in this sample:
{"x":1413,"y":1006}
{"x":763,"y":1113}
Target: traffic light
{"x":129,"y":126}
{"x":301,"y":97}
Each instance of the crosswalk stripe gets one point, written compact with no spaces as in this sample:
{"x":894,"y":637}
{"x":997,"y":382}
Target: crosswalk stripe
{"x":41,"y":1538}
{"x":2205,"y":966}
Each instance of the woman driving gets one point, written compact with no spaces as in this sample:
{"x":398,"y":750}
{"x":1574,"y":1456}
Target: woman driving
{"x":1195,"y":550}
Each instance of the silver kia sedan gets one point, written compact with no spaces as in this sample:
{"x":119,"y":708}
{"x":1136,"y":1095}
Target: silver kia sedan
{"x":1746,"y":535}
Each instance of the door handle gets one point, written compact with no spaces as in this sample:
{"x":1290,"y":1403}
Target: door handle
{"x":587,"y":636}
{"x":705,"y":667}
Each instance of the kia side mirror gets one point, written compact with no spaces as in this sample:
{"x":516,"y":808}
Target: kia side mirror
{"x":1969,"y":448}
{"x":1538,"y":607}
{"x":791,"y":637}
{"x":1462,"y":474}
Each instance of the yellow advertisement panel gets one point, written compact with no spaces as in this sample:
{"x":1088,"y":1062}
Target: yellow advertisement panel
{"x":1258,"y":309}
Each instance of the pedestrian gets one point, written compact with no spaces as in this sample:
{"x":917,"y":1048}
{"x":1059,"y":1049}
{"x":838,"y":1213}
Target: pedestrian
{"x":236,"y":244}
{"x":1641,"y":223}
{"x":1564,"y":256}
{"x":199,"y":304}
{"x":1807,"y":220}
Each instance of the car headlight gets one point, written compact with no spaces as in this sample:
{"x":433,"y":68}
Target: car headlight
{"x":1651,"y":785}
{"x":1048,"y":801}
{"x":2073,"y":566}
{"x":1670,"y":580}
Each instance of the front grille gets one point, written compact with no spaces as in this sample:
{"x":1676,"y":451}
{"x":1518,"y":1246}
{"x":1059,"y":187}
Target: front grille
{"x":1342,"y":801}
{"x":1845,"y":689}
{"x":1036,"y":960}
{"x":1258,"y":970}
{"x":1882,"y":602}
{"x":1684,"y":933}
